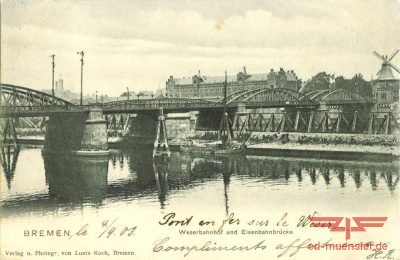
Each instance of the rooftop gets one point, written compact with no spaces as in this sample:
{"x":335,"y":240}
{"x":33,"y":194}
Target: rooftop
{"x":290,"y":75}
{"x":386,"y":73}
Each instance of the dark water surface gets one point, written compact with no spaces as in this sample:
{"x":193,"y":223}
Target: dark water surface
{"x":34,"y":182}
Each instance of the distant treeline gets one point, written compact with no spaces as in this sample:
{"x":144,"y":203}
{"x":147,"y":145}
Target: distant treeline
{"x":323,"y":81}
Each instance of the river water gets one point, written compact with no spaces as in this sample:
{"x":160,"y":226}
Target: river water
{"x":43,"y":185}
{"x":36,"y":182}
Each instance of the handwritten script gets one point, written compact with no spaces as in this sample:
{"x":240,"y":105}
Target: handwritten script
{"x":106,"y":229}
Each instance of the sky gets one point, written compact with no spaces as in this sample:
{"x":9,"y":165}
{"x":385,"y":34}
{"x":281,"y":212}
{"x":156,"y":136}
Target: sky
{"x":139,"y":44}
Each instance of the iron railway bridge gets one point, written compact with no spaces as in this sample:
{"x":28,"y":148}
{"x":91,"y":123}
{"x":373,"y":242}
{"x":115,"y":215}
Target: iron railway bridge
{"x":317,"y":111}
{"x":18,"y":101}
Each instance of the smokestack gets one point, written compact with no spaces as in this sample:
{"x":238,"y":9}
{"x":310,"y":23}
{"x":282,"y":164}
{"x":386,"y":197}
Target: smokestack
{"x":244,"y":70}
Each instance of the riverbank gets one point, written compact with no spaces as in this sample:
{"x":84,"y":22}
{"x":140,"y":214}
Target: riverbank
{"x":327,"y":148}
{"x":332,"y":144}
{"x":376,"y":144}
{"x":283,"y":143}
{"x":337,"y":152}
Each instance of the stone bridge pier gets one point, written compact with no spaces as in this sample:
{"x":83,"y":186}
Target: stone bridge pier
{"x":82,"y":132}
{"x":143,"y":127}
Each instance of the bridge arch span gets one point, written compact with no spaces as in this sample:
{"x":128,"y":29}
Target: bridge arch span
{"x":270,"y":94}
{"x":13,"y":95}
{"x":339,"y":94}
{"x":315,"y":93}
{"x":233,"y":95}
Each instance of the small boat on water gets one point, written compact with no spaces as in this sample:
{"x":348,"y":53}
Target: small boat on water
{"x":229,"y":151}
{"x":185,"y":148}
{"x":161,"y":153}
{"x":231,"y":147}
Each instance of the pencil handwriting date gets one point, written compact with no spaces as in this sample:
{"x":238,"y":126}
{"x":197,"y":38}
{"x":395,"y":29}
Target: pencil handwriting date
{"x":107,"y":229}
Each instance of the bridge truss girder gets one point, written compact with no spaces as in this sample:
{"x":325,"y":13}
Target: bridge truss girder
{"x":271,"y":96}
{"x":317,"y":122}
{"x":12,"y":95}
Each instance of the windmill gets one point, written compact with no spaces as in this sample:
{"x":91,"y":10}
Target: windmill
{"x":385,"y":73}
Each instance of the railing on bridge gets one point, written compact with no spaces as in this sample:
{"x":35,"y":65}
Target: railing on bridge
{"x":156,"y":104}
{"x":279,"y":103}
{"x":6,"y":111}
{"x":116,"y":106}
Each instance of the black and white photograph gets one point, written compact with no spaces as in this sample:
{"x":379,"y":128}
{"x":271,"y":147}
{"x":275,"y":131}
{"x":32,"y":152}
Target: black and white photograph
{"x":199,"y":129}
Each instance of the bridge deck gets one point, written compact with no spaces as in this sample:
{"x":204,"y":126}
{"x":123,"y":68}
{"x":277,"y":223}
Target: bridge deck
{"x":17,"y":101}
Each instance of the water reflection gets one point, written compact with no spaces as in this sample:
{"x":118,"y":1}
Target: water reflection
{"x":76,"y":179}
{"x":160,"y":166}
{"x":134,"y":175}
{"x":226,"y":177}
{"x":8,"y":159}
{"x":73,"y":181}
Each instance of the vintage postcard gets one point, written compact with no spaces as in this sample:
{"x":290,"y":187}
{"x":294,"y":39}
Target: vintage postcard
{"x":199,"y":129}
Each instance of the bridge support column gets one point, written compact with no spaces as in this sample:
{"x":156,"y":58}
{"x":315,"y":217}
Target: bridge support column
{"x":371,"y":123}
{"x":179,"y":125}
{"x":64,"y":132}
{"x":338,"y":122}
{"x":388,"y":124}
{"x":296,"y":122}
{"x":325,"y":126}
{"x":310,"y":122}
{"x":271,"y":124}
{"x":161,"y":142}
{"x":81,"y":132}
{"x":193,"y":119}
{"x":354,"y":124}
{"x":283,"y":123}
{"x":225,"y":129}
{"x":95,"y":132}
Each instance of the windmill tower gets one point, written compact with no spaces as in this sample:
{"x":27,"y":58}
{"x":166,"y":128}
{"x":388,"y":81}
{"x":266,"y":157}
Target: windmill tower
{"x":386,"y":86}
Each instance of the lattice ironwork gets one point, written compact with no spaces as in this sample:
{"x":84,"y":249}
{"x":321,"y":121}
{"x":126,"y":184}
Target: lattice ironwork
{"x":263,"y":122}
{"x":269,"y":95}
{"x":317,"y":122}
{"x":12,"y":95}
{"x":17,"y":99}
{"x":118,"y":121}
